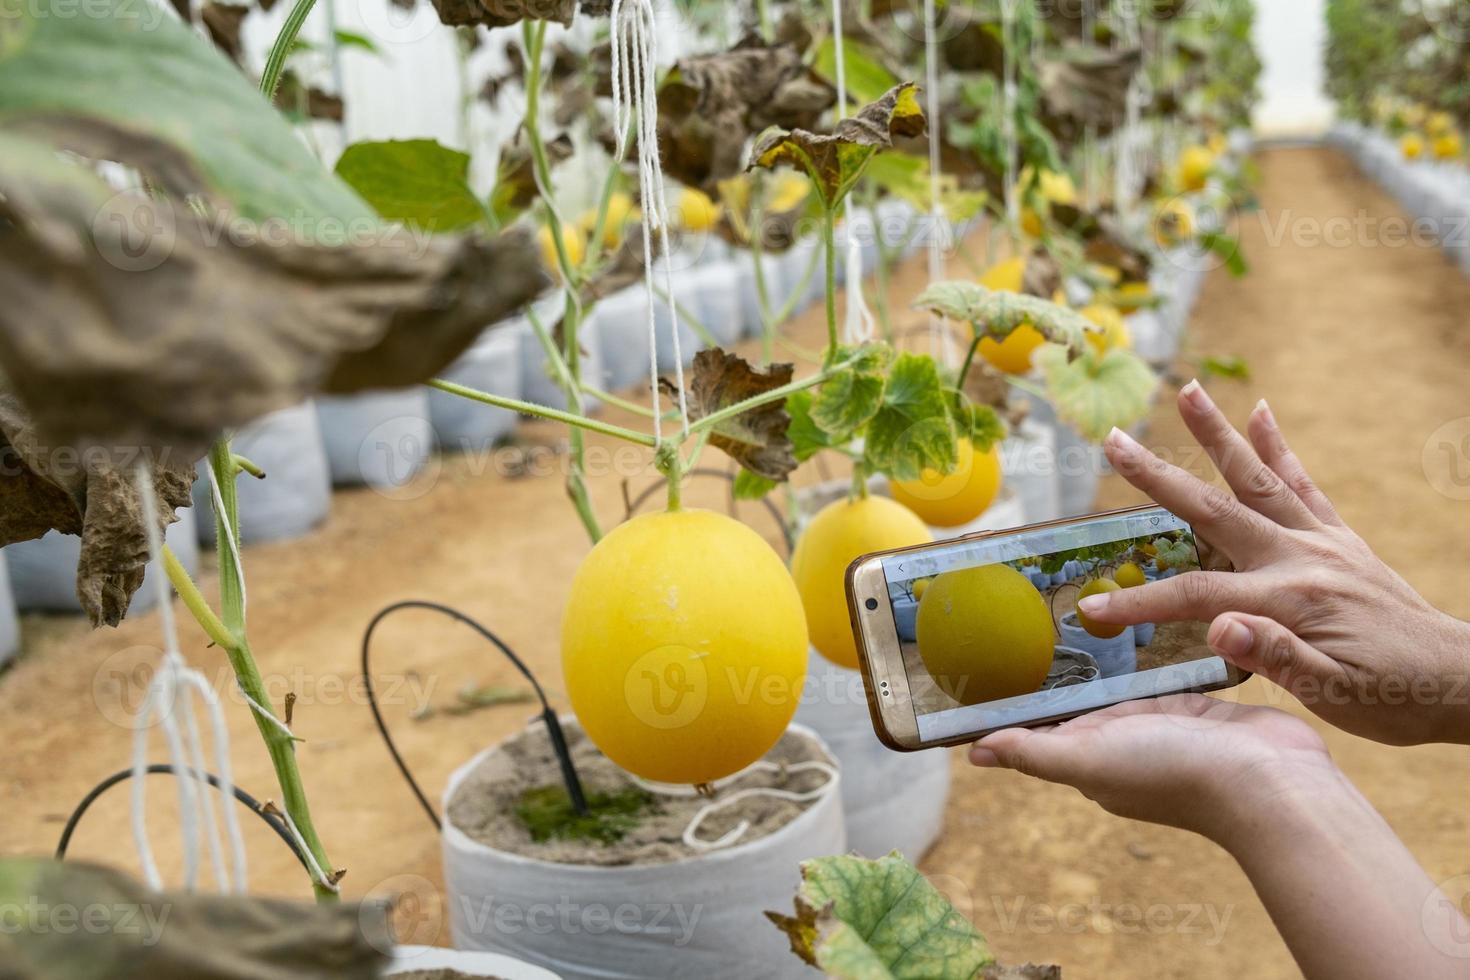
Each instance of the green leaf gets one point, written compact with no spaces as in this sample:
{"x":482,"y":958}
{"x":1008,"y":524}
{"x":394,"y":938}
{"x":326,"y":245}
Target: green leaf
{"x":848,"y":400}
{"x":749,"y":486}
{"x":351,"y":39}
{"x":912,"y":430}
{"x":418,"y":182}
{"x":807,"y":438}
{"x":906,"y":176}
{"x":96,"y":84}
{"x":999,"y":313}
{"x":1230,"y":366}
{"x":982,"y":425}
{"x":835,"y":162}
{"x":867,"y":79}
{"x":1227,"y":248}
{"x":858,"y":919}
{"x":1095,"y":393}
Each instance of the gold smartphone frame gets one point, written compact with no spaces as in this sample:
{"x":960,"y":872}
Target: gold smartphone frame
{"x":886,"y":682}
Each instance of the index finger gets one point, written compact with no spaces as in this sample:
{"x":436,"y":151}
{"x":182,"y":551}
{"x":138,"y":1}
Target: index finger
{"x":1230,"y":526}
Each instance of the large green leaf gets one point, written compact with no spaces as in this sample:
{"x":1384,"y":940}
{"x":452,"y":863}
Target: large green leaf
{"x":1096,"y":392}
{"x":417,"y":182}
{"x":867,"y":79}
{"x":913,"y":429}
{"x":858,"y":919}
{"x":848,"y":400}
{"x":102,"y":82}
{"x":997,"y":313}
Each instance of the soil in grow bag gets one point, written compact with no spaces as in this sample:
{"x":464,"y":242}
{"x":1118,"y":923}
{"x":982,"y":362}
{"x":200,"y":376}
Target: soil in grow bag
{"x":514,"y":802}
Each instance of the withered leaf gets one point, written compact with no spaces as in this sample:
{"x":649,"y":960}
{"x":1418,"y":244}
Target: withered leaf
{"x":91,"y":492}
{"x":222,"y":21}
{"x":309,"y":102}
{"x":1086,"y":89}
{"x":834,"y":161}
{"x":1029,"y":971}
{"x":503,"y":13}
{"x":756,"y":439}
{"x":129,"y":321}
{"x":515,"y":179}
{"x":710,"y":106}
{"x":182,"y":936}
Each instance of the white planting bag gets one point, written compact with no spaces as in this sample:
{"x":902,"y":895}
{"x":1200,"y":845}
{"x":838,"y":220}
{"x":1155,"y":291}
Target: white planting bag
{"x":43,"y":571}
{"x":493,"y":365}
{"x":621,"y":324}
{"x":1029,"y":462}
{"x":699,"y":917}
{"x":890,"y":800}
{"x":714,"y":294}
{"x":9,"y":621}
{"x":410,"y":959}
{"x":379,"y":439}
{"x":295,"y":495}
{"x":537,"y":385}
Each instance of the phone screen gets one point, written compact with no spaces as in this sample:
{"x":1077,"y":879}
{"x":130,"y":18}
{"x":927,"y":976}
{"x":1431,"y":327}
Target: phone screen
{"x":991,"y":636}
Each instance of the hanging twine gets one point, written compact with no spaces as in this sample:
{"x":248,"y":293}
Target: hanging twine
{"x":635,"y":102}
{"x":858,"y":327}
{"x":939,"y":237}
{"x":168,"y":700}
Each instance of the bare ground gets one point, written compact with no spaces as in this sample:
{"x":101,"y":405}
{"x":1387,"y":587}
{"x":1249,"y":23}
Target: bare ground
{"x":1363,"y":353}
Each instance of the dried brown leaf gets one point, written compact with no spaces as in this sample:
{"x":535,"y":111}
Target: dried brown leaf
{"x":756,"y":439}
{"x":503,"y":13}
{"x":223,"y":21}
{"x":1086,"y":89}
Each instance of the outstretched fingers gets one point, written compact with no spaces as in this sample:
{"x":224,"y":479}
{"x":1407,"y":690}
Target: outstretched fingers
{"x":1268,"y":440}
{"x":1256,"y":484}
{"x":1193,"y":596}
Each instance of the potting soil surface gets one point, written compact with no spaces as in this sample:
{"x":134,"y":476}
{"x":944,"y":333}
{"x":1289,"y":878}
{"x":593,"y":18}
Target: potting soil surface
{"x":1362,"y":350}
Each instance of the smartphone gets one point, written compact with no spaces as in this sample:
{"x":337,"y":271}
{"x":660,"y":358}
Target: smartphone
{"x":961,"y":638}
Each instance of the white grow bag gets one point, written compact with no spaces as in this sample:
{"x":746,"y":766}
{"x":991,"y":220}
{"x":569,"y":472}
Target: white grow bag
{"x":496,"y":899}
{"x":890,"y":800}
{"x":537,"y":384}
{"x":408,"y":959}
{"x":1029,"y":462}
{"x":492,"y":364}
{"x":295,"y":495}
{"x":43,"y":572}
{"x":621,"y":324}
{"x":378,"y":439}
{"x":9,"y":621}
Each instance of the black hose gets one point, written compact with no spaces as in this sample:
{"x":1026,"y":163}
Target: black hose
{"x":275,"y":823}
{"x":553,"y":724}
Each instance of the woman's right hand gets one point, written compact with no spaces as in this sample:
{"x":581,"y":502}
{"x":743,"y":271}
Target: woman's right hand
{"x":1310,"y":606}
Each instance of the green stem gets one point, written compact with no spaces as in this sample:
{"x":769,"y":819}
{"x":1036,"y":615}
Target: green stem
{"x":279,"y":744}
{"x":275,"y":60}
{"x":969,"y":361}
{"x":545,"y":412}
{"x":829,"y":246}
{"x":859,"y":489}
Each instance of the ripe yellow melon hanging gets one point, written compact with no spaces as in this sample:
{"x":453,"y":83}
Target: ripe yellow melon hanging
{"x":957,"y":498}
{"x":838,"y":534}
{"x":1012,"y":354}
{"x":1103,"y":631}
{"x":684,"y":646}
{"x":985,"y":633}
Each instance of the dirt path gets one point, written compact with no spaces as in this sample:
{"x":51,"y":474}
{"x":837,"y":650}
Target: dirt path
{"x":1363,"y":354}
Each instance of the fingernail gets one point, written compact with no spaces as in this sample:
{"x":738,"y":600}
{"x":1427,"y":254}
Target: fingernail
{"x":1266,"y":413}
{"x":1194,"y":393}
{"x":1095,"y":604}
{"x":1122,"y":442}
{"x":1232,"y":638}
{"x":984,"y":758}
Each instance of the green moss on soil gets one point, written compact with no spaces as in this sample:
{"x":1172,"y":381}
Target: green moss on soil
{"x":548,"y":814}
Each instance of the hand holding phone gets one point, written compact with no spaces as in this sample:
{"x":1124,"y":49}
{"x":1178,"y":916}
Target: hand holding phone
{"x":961,"y":638}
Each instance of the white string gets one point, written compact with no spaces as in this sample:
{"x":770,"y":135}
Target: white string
{"x":312,"y":863}
{"x":168,"y":698}
{"x":635,"y":101}
{"x":859,"y":325}
{"x":939,"y":231}
{"x":268,"y":715}
{"x":691,"y":832}
{"x":223,"y":521}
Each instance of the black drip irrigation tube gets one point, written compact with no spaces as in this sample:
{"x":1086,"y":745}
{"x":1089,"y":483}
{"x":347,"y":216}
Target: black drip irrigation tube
{"x":553,"y":724}
{"x":159,"y":768}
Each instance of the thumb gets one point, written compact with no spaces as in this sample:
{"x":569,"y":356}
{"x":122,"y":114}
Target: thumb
{"x":1042,"y":754}
{"x":1263,"y":646}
